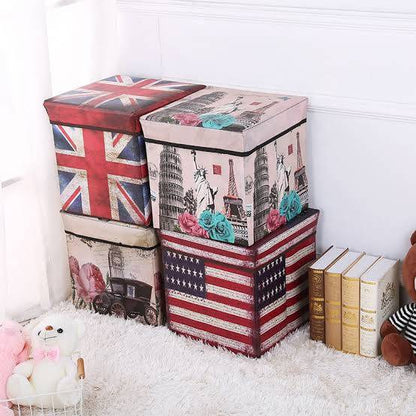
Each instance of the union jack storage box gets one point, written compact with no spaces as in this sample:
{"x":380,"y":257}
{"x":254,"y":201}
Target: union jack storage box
{"x":227,"y":165}
{"x":99,"y":145}
{"x":115,"y":268}
{"x":243,"y":299}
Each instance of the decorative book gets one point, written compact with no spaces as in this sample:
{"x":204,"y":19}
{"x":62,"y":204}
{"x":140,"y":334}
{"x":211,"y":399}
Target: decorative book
{"x":227,"y":165}
{"x":351,"y":304}
{"x":316,"y":291}
{"x":99,"y":145}
{"x":332,"y":280}
{"x":379,"y":299}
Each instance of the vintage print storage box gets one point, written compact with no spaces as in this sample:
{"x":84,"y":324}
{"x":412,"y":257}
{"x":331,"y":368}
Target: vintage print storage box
{"x":115,"y":268}
{"x":99,"y":147}
{"x":244,"y":299}
{"x":227,"y":165}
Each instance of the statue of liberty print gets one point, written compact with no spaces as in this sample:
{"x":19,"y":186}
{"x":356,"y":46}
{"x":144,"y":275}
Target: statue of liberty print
{"x":205,"y":195}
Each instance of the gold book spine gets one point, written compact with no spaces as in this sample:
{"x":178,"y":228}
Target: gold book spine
{"x":351,"y":315}
{"x":333,"y":333}
{"x":316,"y":305}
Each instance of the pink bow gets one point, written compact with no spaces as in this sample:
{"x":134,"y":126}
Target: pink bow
{"x":51,"y":354}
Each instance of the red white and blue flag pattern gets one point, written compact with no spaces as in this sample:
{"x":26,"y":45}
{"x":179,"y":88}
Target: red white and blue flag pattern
{"x":115,"y":103}
{"x":103,"y":174}
{"x":244,"y":299}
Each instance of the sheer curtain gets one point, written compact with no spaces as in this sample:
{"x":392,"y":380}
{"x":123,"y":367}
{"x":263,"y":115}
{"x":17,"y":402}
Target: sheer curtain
{"x":36,"y":62}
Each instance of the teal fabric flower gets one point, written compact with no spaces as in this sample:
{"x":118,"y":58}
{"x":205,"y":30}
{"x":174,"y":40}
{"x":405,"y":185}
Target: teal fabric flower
{"x":291,"y":205}
{"x":216,"y":121}
{"x":207,"y":220}
{"x":223,"y":230}
{"x":217,"y":225}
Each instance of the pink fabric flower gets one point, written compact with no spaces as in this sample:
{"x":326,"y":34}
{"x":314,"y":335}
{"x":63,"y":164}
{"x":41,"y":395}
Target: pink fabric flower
{"x":187,"y":119}
{"x":73,"y":266}
{"x":189,"y":225}
{"x":89,"y":282}
{"x":275,"y":220}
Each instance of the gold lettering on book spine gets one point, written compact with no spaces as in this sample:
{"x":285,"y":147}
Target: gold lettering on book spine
{"x":316,"y":305}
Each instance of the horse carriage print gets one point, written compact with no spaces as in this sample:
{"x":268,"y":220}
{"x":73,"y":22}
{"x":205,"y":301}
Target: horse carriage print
{"x":127,"y":298}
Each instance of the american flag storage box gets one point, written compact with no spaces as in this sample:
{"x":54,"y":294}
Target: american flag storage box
{"x":115,"y":268}
{"x":227,"y":165}
{"x":99,"y":145}
{"x":243,"y":299}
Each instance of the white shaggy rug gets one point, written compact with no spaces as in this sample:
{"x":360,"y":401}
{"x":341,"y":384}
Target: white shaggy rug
{"x":133,"y":369}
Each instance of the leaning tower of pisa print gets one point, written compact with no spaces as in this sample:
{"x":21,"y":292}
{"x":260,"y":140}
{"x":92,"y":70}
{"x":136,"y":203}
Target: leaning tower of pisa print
{"x":171,"y":203}
{"x":261,"y":193}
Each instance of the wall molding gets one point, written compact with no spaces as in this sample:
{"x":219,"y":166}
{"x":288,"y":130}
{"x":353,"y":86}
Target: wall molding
{"x":365,"y":18}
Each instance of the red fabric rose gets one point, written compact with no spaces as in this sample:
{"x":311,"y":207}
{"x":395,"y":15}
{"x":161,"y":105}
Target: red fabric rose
{"x":189,"y":225}
{"x":89,"y":282}
{"x":187,"y":119}
{"x":275,"y":220}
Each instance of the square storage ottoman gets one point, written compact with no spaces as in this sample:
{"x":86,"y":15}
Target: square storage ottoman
{"x":227,"y":165}
{"x":99,"y":145}
{"x":115,"y":268}
{"x":243,"y":299}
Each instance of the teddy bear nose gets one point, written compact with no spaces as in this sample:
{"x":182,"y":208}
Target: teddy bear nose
{"x":49,"y":328}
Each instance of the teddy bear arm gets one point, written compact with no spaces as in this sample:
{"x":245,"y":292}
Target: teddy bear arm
{"x":401,"y":317}
{"x":24,"y":369}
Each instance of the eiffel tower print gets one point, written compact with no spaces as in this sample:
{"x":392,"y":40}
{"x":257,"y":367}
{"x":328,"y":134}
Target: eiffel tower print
{"x":234,"y":210}
{"x":301,"y":181}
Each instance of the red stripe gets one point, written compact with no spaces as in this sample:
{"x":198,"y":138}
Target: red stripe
{"x":67,"y":161}
{"x":297,"y":282}
{"x":129,"y":171}
{"x":117,"y":139}
{"x":293,"y":268}
{"x":213,"y":343}
{"x":231,"y":302}
{"x":290,"y":318}
{"x":272,"y":314}
{"x":230,"y":269}
{"x":287,"y":240}
{"x":131,"y":202}
{"x":304,"y":243}
{"x":71,"y":198}
{"x":66,"y":135}
{"x":205,"y":248}
{"x":118,"y":78}
{"x":248,"y":290}
{"x":210,"y":312}
{"x":297,"y":298}
{"x":96,"y":175}
{"x":211,"y":329}
{"x":285,"y":335}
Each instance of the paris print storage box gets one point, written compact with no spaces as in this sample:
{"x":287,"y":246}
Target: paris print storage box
{"x":115,"y":268}
{"x":245,"y":299}
{"x":227,"y":165}
{"x":99,"y":147}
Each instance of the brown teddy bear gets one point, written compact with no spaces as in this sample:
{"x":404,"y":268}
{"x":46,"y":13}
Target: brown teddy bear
{"x":398,"y":333}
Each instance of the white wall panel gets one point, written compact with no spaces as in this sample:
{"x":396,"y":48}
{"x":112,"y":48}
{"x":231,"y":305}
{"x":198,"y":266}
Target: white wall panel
{"x":356,"y":65}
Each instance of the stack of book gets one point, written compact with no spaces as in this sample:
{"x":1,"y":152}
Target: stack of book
{"x":351,"y":294}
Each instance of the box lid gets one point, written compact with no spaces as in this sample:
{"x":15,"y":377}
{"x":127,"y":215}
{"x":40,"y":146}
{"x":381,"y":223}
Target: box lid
{"x":115,"y":103}
{"x":221,"y":119}
{"x":110,"y":231}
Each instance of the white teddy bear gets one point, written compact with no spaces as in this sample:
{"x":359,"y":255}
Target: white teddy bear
{"x":52,"y":369}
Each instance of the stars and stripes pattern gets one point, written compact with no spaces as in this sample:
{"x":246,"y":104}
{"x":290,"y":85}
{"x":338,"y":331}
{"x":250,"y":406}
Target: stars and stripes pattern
{"x":103,"y":174}
{"x":246,"y":309}
{"x":115,"y":103}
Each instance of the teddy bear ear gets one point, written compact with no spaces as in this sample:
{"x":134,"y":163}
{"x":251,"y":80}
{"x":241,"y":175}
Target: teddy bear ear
{"x":80,"y":329}
{"x":413,"y":238}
